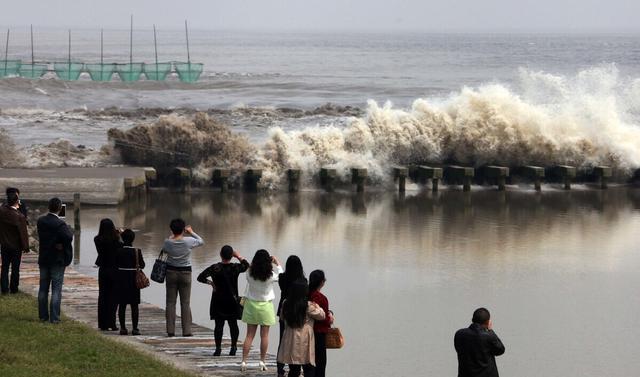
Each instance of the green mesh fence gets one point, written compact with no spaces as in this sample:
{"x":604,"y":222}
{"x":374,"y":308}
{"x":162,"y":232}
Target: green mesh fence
{"x":9,"y":67}
{"x":189,"y":72}
{"x":33,"y":71}
{"x":157,"y":72}
{"x":129,"y":72}
{"x":100,"y":72}
{"x":68,"y":71}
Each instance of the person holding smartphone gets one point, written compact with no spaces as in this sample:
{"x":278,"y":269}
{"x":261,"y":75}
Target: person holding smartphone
{"x":258,"y":303}
{"x":178,"y":280}
{"x":477,"y":347}
{"x":56,"y":252}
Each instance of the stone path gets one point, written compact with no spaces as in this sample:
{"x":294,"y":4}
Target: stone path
{"x":194,"y":354}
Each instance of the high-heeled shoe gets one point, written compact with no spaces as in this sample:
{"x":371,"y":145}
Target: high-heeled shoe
{"x":232,"y":351}
{"x":263,"y":366}
{"x":243,"y":366}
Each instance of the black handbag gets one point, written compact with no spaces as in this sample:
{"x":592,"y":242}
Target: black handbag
{"x":159,"y":271}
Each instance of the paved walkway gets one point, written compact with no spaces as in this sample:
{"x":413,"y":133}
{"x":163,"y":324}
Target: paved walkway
{"x":194,"y":354}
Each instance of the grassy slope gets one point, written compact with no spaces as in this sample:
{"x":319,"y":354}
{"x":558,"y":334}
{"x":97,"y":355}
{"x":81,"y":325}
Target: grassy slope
{"x":30,"y":348}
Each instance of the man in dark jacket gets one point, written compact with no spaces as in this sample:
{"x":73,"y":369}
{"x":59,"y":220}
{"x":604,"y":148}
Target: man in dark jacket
{"x":56,"y":253}
{"x":22,"y":208}
{"x":477,"y":346}
{"x":14,"y":240}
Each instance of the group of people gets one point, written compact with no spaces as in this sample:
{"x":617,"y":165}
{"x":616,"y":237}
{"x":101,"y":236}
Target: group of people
{"x":302,"y":312}
{"x":55,"y":253}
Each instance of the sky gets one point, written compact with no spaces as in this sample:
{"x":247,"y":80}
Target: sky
{"x":333,"y":15}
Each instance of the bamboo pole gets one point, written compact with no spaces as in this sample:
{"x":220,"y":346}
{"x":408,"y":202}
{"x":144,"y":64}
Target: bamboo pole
{"x":131,"y":43}
{"x":69,"y":59}
{"x":101,"y":50}
{"x":6,"y":52}
{"x":32,"y":55}
{"x":186,"y":31}
{"x":155,"y":45}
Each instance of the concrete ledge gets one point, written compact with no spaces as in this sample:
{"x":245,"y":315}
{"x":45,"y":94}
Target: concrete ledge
{"x":103,"y":186}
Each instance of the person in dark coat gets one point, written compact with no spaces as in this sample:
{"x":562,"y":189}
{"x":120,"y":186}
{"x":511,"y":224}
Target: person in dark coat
{"x":107,"y":244}
{"x":293,"y":271}
{"x":56,"y":252}
{"x":14,"y":240}
{"x":225,"y":305}
{"x":22,"y":208}
{"x":128,"y":260}
{"x":477,"y":347}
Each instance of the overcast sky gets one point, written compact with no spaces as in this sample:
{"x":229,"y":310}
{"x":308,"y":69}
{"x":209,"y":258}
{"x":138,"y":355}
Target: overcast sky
{"x":429,"y":15}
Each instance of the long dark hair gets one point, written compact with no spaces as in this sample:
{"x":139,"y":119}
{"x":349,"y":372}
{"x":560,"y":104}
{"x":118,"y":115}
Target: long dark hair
{"x":316,"y":278}
{"x":294,"y":308}
{"x":261,"y":267}
{"x":107,"y":232}
{"x":293,"y":269}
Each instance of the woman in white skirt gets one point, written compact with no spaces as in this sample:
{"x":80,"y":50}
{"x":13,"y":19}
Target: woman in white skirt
{"x":258,"y":306}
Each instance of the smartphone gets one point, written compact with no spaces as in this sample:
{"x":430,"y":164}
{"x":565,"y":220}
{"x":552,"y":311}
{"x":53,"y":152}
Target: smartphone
{"x":63,"y":211}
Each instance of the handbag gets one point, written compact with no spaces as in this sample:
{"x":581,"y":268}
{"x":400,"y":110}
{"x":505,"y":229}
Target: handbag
{"x":141,"y":279}
{"x":334,"y":339}
{"x":159,"y":271}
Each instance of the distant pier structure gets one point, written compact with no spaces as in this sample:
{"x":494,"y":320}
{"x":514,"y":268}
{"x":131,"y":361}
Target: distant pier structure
{"x":70,"y":70}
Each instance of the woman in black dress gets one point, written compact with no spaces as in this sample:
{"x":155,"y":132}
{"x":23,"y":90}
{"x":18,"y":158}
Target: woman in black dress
{"x":127,"y":260}
{"x":107,"y":243}
{"x":225,"y":306}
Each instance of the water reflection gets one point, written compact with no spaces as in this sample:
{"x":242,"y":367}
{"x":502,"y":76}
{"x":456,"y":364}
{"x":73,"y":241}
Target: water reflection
{"x":405,"y":271}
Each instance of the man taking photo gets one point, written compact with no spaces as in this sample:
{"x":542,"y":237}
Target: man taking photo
{"x":477,"y":347}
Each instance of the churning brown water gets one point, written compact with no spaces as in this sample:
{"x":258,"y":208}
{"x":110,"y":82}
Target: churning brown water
{"x":558,"y":270}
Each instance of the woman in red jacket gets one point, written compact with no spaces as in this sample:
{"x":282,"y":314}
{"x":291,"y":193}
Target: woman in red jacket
{"x":320,"y":328}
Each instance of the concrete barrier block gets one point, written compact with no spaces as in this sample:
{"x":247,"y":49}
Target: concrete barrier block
{"x":603,"y":171}
{"x":327,"y":178}
{"x":150,"y":174}
{"x":359,"y":177}
{"x":293,"y":176}
{"x":427,"y":172}
{"x":251,"y":178}
{"x":493,"y":171}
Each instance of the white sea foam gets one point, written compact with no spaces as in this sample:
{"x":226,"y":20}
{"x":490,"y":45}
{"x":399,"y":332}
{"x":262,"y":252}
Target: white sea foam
{"x":584,"y":120}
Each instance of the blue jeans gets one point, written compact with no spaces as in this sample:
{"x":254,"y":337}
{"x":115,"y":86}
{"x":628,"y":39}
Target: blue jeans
{"x":54,"y":276}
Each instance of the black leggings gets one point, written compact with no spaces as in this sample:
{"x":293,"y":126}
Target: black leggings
{"x":134,"y":315}
{"x":321,"y":354}
{"x":280,"y":366}
{"x":233,"y":328}
{"x":294,"y":370}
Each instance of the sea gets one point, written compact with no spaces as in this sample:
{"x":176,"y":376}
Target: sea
{"x":557,"y":269}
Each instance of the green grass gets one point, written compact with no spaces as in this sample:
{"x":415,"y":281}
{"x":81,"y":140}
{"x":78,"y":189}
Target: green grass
{"x":30,"y":348}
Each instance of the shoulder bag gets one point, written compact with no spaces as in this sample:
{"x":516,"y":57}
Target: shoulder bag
{"x":141,"y":279}
{"x":159,"y":271}
{"x":334,"y":339}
